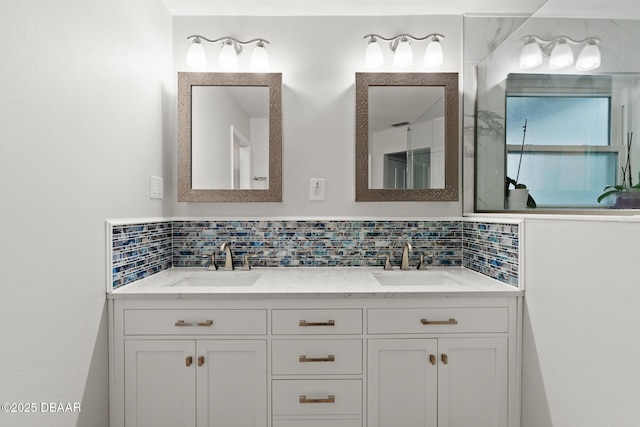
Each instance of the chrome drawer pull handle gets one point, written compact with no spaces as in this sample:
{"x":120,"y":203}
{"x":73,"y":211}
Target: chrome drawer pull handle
{"x":330,"y":358}
{"x":439,"y":322}
{"x":330,"y":399}
{"x":327,"y":323}
{"x":183,"y":323}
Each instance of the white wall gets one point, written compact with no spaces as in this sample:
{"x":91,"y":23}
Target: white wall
{"x":581,"y":324}
{"x":318,"y":58}
{"x":81,"y":103}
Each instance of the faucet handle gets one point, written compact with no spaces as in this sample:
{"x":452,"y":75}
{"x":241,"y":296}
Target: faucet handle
{"x":245,"y":264}
{"x":213,"y":266}
{"x":387,"y":263}
{"x":422,"y":265}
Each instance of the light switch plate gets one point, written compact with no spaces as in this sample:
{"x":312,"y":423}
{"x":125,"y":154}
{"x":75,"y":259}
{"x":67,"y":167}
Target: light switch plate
{"x":155,"y":187}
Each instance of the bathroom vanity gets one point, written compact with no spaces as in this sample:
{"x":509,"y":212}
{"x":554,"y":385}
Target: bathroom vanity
{"x":315,"y":347}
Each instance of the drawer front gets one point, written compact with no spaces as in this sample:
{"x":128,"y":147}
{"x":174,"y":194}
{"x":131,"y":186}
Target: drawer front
{"x":316,"y":322}
{"x":316,"y":397}
{"x":299,"y":357}
{"x":437,"y":320}
{"x":195,"y":322}
{"x":317,"y":423}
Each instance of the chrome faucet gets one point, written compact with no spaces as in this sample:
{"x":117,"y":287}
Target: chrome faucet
{"x":405,"y":256}
{"x":228,"y":262}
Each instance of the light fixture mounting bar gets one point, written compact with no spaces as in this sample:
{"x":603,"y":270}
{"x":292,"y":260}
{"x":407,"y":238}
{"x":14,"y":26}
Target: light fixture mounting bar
{"x":544,"y":42}
{"x":223,"y":39}
{"x":408,"y":36}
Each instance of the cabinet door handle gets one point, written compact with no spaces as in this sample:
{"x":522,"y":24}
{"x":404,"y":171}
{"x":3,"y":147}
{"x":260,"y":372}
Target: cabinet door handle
{"x":189,"y":361}
{"x":432,"y":359}
{"x":445,"y":359}
{"x":200,"y":360}
{"x":439,"y":322}
{"x":329,"y":358}
{"x":205,"y":323}
{"x":330,"y":399}
{"x":327,"y":323}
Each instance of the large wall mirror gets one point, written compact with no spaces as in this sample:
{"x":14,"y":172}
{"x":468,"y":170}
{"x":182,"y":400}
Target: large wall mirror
{"x":569,"y":135}
{"x":230,"y":137}
{"x":407,"y":136}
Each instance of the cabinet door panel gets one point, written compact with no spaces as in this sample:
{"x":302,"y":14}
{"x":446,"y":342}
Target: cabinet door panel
{"x":402,"y":383}
{"x":159,"y":387}
{"x":473,"y":382}
{"x":232,"y":383}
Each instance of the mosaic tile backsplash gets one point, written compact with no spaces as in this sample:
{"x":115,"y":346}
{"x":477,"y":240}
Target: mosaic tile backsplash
{"x":140,"y":250}
{"x":492,"y":249}
{"x":318,"y":243}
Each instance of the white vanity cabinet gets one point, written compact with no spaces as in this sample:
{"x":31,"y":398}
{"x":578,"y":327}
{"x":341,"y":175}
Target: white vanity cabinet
{"x":452,"y":372}
{"x":307,"y":361}
{"x":189,"y":367}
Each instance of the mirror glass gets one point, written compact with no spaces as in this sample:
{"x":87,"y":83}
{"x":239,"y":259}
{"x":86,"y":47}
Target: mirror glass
{"x":579,"y":135}
{"x":230,"y":137}
{"x":567,"y":138}
{"x":230,"y":151}
{"x":406,"y":137}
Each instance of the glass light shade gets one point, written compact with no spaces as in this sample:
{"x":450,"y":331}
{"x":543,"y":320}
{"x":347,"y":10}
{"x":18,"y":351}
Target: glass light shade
{"x":373,"y":57}
{"x":404,"y":55}
{"x":196,"y":58}
{"x":228,"y":59}
{"x":561,"y":56}
{"x":589,"y":58}
{"x":259,"y":58}
{"x":531,"y":55}
{"x":433,"y":56}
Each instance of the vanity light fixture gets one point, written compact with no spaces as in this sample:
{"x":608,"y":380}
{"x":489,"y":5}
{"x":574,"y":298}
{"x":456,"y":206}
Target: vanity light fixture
{"x":402,"y":52}
{"x":228,"y":57}
{"x":561,"y":56}
{"x":560,"y":53}
{"x":531,"y":54}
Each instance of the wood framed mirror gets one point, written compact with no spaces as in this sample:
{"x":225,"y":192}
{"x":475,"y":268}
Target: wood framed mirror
{"x":407,"y":137}
{"x":229,"y":137}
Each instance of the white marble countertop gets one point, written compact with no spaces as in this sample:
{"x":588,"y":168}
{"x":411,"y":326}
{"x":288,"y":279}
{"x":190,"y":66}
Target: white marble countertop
{"x":319,"y":282}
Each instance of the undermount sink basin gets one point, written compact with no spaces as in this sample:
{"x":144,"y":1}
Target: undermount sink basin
{"x":416,"y":278}
{"x":219,"y":278}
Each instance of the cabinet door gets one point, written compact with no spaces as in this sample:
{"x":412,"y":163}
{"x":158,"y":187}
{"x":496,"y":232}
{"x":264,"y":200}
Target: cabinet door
{"x":159,"y":383}
{"x":232,"y":383}
{"x":472,"y":382}
{"x":402,"y":383}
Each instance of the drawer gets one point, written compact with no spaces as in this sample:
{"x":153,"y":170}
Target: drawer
{"x":316,"y":397}
{"x":316,"y":322}
{"x":195,"y":322}
{"x":437,"y":320}
{"x":298,"y":357}
{"x":317,"y":423}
